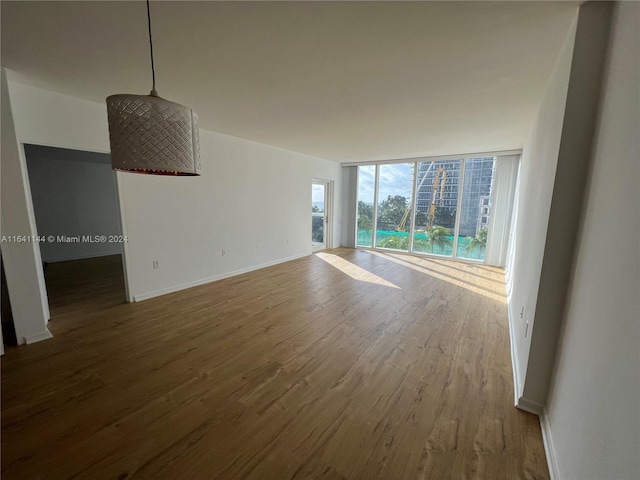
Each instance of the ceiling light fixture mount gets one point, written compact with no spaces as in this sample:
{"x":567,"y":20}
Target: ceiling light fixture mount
{"x":151,"y":135}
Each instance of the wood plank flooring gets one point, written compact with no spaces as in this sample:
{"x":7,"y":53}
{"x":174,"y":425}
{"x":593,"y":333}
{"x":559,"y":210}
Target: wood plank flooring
{"x":347,"y":364}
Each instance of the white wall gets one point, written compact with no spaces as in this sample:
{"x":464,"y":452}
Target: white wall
{"x":74,"y":194}
{"x":554,"y":171}
{"x":22,"y":263}
{"x":583,"y":97}
{"x":47,"y":118}
{"x":252,"y":200}
{"x":535,"y":188}
{"x":593,"y":410}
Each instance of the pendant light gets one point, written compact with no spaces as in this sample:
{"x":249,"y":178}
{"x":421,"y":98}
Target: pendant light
{"x":151,"y":135}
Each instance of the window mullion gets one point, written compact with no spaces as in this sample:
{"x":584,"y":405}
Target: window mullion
{"x":413,"y":205}
{"x":376,"y":182}
{"x":456,"y":228}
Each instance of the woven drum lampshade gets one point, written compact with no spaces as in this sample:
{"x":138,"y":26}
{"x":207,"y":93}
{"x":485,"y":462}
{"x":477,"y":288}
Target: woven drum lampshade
{"x":149,"y":134}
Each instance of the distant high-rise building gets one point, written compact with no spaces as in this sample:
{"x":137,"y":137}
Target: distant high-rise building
{"x":475,"y":208}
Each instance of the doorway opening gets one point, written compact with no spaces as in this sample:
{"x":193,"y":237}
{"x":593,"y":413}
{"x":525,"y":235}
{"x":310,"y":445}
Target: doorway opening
{"x":79,"y":228}
{"x":321,"y":195}
{"x":8,"y":332}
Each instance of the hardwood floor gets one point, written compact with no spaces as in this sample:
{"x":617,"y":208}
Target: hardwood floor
{"x":344,"y":364}
{"x":84,"y":287}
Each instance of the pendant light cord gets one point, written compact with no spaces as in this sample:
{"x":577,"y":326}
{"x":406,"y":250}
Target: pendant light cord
{"x":153,"y":70}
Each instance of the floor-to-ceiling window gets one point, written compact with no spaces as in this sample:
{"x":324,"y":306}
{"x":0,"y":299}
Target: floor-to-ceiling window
{"x":395,"y":185}
{"x":366,"y":189}
{"x":475,"y":211}
{"x":434,"y":207}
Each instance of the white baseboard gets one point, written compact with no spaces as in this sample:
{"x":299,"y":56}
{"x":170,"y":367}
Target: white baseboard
{"x":38,"y":337}
{"x":522,"y":403}
{"x":529,"y":406}
{"x":519,"y":401}
{"x":514,"y":358}
{"x":176,"y":288}
{"x":549,"y":447}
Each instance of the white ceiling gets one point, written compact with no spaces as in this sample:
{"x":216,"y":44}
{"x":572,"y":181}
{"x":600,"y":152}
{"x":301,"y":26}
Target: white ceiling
{"x":346,"y":81}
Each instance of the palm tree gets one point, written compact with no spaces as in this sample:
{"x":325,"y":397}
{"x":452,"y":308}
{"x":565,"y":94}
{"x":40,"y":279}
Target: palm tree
{"x":477,"y":242}
{"x":436,"y":236}
{"x":397,"y":242}
{"x":440,"y":237}
{"x":419,"y":244}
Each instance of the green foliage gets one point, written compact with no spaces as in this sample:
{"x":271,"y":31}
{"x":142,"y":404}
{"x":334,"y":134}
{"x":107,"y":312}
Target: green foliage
{"x":391,"y":211}
{"x":438,"y":236}
{"x":365,"y":216}
{"x":482,"y":235}
{"x":364,"y":223}
{"x":477,"y":242}
{"x":317,"y":229}
{"x":420,"y":244}
{"x":397,"y":242}
{"x":315,"y":209}
{"x":421,"y":219}
{"x":445,"y":216}
{"x":401,"y":242}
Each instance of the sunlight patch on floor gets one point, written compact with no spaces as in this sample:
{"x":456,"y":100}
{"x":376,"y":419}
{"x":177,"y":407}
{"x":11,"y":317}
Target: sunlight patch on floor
{"x":354,"y":271}
{"x":488,"y":289}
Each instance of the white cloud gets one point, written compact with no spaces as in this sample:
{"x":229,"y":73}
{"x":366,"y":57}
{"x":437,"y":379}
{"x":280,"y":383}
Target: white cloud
{"x":317,"y":193}
{"x":366,"y":180}
{"x":395,"y":179}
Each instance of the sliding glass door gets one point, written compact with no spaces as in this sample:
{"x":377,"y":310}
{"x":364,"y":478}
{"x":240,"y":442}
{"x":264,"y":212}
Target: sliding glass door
{"x":318,"y":215}
{"x":435,"y":207}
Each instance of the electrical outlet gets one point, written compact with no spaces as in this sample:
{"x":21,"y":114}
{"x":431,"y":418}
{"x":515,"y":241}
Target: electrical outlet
{"x":156,"y":264}
{"x":224,"y":252}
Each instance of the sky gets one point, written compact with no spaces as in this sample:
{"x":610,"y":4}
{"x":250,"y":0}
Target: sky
{"x":395,"y":179}
{"x":317,"y":194}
